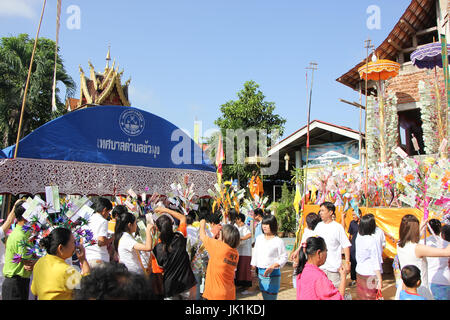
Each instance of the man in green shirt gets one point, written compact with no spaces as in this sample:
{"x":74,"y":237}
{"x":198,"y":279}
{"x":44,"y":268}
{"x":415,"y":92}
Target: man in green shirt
{"x":16,"y":285}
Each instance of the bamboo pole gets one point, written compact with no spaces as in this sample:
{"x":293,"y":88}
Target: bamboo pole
{"x":28,"y":81}
{"x":366,"y":163}
{"x":382,"y":122}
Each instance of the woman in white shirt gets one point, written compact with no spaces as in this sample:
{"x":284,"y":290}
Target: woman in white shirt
{"x":368,"y":257}
{"x":409,"y":251}
{"x":269,"y":256}
{"x":438,"y":270}
{"x":127,"y":247}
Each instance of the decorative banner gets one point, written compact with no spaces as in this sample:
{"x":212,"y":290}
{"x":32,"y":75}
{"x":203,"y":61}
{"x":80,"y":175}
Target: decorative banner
{"x":332,"y":153}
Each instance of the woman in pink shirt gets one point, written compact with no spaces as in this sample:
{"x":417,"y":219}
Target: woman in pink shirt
{"x":312,"y":283}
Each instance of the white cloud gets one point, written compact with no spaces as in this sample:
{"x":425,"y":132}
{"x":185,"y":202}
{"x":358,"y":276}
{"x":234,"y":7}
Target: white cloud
{"x":18,"y":8}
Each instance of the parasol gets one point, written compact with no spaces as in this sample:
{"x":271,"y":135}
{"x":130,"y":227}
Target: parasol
{"x":430,"y":56}
{"x":380,"y":70}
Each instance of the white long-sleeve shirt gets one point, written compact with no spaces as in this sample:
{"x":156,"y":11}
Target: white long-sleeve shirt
{"x":268,"y":251}
{"x":368,"y":255}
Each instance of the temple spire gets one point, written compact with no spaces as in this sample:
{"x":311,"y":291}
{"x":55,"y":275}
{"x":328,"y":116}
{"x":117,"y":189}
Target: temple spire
{"x":108,"y":57}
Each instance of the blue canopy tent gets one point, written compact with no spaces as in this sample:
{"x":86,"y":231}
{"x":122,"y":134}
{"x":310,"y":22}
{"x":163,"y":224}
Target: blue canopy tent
{"x":106,"y":150}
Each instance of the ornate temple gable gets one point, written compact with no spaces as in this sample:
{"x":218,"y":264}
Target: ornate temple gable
{"x":417,"y":26}
{"x":103,"y":88}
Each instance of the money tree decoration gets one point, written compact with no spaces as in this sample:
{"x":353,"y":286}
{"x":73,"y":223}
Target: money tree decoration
{"x":250,"y":205}
{"x":391,"y":125}
{"x":424,"y":185}
{"x":383,"y":187}
{"x":431,"y":56}
{"x":372,"y":132}
{"x":72,"y":213}
{"x":183,"y":195}
{"x":432,"y":111}
{"x":226,"y":197}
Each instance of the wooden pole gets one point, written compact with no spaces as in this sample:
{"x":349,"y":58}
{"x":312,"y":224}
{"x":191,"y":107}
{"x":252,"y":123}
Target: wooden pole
{"x":360,"y":125}
{"x":445,"y":69}
{"x":382,"y":125}
{"x":366,"y":162}
{"x":28,"y":81}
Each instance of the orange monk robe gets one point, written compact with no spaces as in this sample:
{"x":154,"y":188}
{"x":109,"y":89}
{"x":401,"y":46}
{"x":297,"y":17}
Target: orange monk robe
{"x":256,"y":187}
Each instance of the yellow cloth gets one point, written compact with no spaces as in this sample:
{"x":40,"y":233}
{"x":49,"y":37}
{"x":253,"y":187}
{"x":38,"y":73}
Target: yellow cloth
{"x":54,"y":279}
{"x":256,"y":187}
{"x":297,"y":200}
{"x":387,"y":219}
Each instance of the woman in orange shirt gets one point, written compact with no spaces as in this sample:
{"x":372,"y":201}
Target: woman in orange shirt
{"x":223,"y":260}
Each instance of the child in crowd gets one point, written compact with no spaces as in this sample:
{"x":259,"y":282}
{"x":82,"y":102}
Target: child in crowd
{"x":258,"y":216}
{"x":312,"y":282}
{"x":16,"y":285}
{"x":3,"y":234}
{"x":98,"y":224}
{"x":171,"y":255}
{"x":127,"y":247}
{"x":368,"y":258}
{"x":223,"y":260}
{"x":116,"y":211}
{"x":446,"y":232}
{"x":411,"y":281}
{"x":216,"y":226}
{"x":353,"y":233}
{"x":411,"y":252}
{"x":312,"y":219}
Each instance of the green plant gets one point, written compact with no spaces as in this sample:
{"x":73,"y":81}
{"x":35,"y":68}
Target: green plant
{"x":285,"y":212}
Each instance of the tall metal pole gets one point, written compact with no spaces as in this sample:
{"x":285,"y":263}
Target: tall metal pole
{"x":28,"y":81}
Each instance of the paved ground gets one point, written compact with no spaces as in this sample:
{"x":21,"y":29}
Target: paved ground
{"x":288,"y":292}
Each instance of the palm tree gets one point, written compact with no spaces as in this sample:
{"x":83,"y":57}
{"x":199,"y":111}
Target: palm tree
{"x":15,"y":56}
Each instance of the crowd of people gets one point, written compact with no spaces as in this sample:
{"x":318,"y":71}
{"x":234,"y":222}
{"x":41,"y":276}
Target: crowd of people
{"x":422,"y":266}
{"x":207,"y":256}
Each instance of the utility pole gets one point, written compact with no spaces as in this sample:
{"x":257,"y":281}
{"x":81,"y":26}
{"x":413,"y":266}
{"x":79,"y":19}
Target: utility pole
{"x":312,"y":67}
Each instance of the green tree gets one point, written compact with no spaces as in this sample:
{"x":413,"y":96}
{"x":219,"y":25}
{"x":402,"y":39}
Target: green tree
{"x":15,"y":57}
{"x":249,"y":111}
{"x":285,"y":213}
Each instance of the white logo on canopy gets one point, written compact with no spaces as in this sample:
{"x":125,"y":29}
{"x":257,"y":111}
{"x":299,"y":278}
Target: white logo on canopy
{"x":132,"y":122}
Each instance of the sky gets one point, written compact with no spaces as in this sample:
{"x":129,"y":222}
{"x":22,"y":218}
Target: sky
{"x":187,"y":58}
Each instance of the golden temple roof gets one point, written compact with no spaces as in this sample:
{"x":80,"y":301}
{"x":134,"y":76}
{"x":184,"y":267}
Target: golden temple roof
{"x":103,"y":88}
